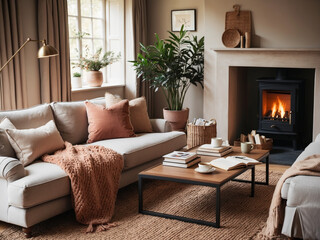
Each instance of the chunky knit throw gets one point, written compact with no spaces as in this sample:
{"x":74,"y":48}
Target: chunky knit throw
{"x":309,"y":166}
{"x":94,"y":172}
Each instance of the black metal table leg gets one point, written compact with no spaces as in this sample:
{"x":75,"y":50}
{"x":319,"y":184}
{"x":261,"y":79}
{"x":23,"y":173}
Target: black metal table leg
{"x":218,"y":207}
{"x":267,"y":170}
{"x":140,"y":192}
{"x":252,"y":180}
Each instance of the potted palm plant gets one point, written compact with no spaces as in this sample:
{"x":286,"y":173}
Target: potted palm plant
{"x":172,"y":65}
{"x":93,"y":65}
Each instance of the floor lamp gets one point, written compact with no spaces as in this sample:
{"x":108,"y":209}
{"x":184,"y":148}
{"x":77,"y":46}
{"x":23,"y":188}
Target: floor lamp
{"x":45,"y":51}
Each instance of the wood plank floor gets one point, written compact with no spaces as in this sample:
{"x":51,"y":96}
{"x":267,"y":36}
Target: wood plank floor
{"x":273,"y":167}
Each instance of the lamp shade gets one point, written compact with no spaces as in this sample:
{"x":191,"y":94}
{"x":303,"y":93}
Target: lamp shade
{"x":47,"y":51}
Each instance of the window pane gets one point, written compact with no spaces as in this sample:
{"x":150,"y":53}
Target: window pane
{"x":86,"y":26}
{"x":97,"y":8}
{"x":87,"y":48}
{"x":74,"y":51}
{"x":97,"y":43}
{"x":72,"y":7}
{"x":73,"y":26}
{"x":97,"y":28}
{"x":86,"y":8}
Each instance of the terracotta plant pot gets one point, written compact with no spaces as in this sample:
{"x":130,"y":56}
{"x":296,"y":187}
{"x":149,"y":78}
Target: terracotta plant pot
{"x":177,"y":119}
{"x":94,"y":78}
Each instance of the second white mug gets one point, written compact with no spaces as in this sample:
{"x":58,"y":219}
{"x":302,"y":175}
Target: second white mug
{"x":216,"y":142}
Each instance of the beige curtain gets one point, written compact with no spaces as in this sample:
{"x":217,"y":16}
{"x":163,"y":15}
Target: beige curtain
{"x":55,"y":71}
{"x":13,"y":85}
{"x":140,"y":29}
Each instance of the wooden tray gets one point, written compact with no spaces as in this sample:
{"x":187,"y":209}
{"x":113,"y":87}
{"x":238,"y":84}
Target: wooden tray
{"x":264,"y":146}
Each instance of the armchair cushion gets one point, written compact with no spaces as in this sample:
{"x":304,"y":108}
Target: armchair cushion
{"x":11,"y":169}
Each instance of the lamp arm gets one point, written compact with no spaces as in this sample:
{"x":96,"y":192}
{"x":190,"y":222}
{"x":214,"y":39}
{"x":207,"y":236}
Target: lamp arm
{"x":22,"y":46}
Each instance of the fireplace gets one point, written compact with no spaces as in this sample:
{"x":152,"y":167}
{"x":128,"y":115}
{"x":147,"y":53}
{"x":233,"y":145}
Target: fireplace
{"x":279,"y":108}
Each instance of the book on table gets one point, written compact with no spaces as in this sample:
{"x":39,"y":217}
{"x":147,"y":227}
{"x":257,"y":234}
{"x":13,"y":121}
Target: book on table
{"x":172,"y":163}
{"x":210,"y":148}
{"x":214,"y":154}
{"x":233,"y":162}
{"x":180,"y":157}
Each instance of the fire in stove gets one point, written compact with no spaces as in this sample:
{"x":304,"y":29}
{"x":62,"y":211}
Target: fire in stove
{"x":276,"y":106}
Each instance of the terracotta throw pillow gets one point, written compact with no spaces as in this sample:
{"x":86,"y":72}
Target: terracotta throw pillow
{"x":107,"y":123}
{"x":138,"y":112}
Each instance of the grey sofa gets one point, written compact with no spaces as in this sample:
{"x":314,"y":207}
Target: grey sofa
{"x":302,"y":195}
{"x":31,"y":194}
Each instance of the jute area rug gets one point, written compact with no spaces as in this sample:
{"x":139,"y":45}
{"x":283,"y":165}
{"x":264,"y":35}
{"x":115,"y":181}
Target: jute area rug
{"x":241,"y":216}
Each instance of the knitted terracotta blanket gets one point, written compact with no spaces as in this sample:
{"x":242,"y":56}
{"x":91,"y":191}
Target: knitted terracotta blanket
{"x":309,"y":166}
{"x":94,"y":172}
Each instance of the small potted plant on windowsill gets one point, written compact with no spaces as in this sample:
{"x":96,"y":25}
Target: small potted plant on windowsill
{"x":76,"y":81}
{"x":93,"y":65}
{"x":172,"y":65}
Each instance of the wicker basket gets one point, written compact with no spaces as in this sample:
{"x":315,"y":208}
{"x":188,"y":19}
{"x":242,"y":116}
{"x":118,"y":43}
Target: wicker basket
{"x":198,"y":135}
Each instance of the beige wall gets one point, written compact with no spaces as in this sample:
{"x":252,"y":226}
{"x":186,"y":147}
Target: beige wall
{"x":275,"y":24}
{"x":159,"y":21}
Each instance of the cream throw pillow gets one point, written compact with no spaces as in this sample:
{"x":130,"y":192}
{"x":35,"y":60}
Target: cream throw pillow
{"x":138,"y":112}
{"x":5,"y":146}
{"x":30,"y":144}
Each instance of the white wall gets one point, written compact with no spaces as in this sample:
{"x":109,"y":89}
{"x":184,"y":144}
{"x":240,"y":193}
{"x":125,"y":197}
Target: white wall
{"x":159,"y":21}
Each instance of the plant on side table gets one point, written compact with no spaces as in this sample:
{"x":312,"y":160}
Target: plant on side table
{"x":172,"y":65}
{"x":93,"y":65}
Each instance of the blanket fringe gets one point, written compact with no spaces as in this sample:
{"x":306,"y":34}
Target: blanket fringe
{"x":94,"y":227}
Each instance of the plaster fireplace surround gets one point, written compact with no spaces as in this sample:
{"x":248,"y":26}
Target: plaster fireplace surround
{"x":222,"y":90}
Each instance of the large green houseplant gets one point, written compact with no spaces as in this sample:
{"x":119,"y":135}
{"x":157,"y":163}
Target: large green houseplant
{"x":172,"y":65}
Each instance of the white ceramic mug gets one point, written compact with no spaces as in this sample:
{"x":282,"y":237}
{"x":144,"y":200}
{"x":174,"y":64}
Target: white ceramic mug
{"x":216,"y":142}
{"x":204,"y":166}
{"x":246,"y":147}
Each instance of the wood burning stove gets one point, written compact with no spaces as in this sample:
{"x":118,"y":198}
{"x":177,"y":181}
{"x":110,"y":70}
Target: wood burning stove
{"x":280,"y":103}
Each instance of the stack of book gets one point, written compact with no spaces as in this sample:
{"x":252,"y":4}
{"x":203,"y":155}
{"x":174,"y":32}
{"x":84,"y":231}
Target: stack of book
{"x":209,"y":150}
{"x":180,"y":159}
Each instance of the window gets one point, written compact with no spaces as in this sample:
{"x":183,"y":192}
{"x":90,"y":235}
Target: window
{"x":95,"y":24}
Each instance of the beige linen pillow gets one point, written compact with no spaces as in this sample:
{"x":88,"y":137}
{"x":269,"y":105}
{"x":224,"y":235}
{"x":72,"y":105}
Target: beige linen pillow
{"x":5,"y":146}
{"x":138,"y":112}
{"x":30,"y":144}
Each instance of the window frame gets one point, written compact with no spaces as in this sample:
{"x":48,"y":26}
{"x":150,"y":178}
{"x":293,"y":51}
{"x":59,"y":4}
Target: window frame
{"x":105,"y":39}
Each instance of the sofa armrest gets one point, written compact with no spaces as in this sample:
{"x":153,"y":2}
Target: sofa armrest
{"x":304,"y":190}
{"x":11,"y":169}
{"x":317,"y":138}
{"x":160,"y":125}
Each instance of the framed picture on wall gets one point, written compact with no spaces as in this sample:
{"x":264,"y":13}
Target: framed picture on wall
{"x":186,"y":17}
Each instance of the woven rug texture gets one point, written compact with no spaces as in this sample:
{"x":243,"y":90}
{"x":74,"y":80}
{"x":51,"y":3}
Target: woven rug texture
{"x":242,"y":216}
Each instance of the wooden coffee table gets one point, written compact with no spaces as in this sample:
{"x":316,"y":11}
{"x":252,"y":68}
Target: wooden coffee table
{"x":187,"y":175}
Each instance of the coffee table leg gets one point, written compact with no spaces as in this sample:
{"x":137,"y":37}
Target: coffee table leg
{"x":218,"y":207}
{"x":252,"y":180}
{"x":140,"y":190}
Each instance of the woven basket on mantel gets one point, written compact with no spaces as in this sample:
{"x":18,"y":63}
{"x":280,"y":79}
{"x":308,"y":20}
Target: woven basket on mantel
{"x":198,"y":135}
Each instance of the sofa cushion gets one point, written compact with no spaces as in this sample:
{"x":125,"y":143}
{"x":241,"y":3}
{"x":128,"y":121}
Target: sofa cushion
{"x":6,"y":149}
{"x":24,"y":119}
{"x":43,"y":182}
{"x":29,"y":144}
{"x":138,"y":112}
{"x":145,"y":147}
{"x":109,"y":123}
{"x":71,"y":120}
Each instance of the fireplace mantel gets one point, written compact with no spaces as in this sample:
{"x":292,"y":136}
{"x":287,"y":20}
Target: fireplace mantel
{"x":220,"y":87}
